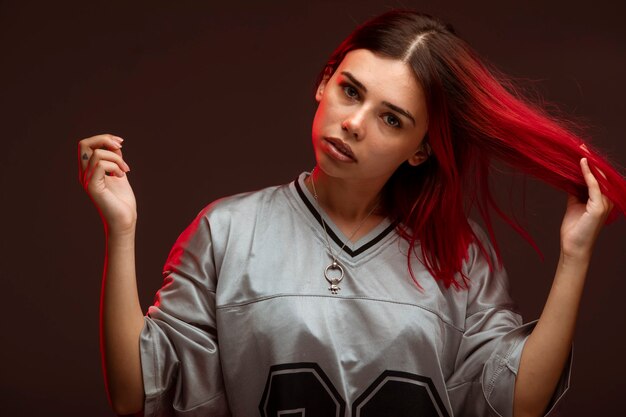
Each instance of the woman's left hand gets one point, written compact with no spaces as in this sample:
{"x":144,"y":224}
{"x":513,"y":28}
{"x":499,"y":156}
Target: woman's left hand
{"x":583,"y":221}
{"x":547,"y":348}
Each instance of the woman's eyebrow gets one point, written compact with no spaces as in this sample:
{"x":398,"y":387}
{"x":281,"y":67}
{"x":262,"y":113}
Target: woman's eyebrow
{"x":393,"y":107}
{"x":354,"y":80}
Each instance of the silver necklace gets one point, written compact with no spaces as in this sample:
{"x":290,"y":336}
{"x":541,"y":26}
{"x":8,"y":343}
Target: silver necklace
{"x":335,"y":265}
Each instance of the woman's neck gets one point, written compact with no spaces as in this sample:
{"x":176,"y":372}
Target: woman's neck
{"x":346,"y":201}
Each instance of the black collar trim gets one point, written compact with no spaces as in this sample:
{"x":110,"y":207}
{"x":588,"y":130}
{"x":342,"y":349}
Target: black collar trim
{"x":332,"y":234}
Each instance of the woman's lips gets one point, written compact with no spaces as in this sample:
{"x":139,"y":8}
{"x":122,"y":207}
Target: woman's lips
{"x":340,"y":150}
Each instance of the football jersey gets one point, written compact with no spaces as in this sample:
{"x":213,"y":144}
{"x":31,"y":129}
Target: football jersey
{"x":245,"y":324}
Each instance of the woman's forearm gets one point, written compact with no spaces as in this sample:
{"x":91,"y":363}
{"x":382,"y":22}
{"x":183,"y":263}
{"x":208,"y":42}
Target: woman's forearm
{"x":121,"y":322}
{"x":547,"y":349}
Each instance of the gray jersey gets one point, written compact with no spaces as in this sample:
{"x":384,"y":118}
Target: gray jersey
{"x":245,"y":324}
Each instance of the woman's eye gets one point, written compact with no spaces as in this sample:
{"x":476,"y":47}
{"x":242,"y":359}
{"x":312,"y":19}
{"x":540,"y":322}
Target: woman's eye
{"x":350,"y":91}
{"x":392,"y":120}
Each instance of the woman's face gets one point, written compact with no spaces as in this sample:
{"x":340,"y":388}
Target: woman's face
{"x":371,"y":118}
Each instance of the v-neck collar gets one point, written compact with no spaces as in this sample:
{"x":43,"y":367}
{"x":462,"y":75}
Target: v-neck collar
{"x":352,"y":249}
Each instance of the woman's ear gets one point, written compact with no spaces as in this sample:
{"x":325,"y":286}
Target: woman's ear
{"x":420,"y":156}
{"x":328,"y":72}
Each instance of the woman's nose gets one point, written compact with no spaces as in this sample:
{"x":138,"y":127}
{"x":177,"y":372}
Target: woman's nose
{"x":353,"y":125}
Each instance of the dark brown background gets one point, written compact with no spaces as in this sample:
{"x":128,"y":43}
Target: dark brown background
{"x":217,"y":99}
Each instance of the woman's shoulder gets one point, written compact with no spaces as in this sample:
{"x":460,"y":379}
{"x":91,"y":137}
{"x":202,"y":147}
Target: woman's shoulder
{"x":488,"y":283}
{"x":482,"y":244}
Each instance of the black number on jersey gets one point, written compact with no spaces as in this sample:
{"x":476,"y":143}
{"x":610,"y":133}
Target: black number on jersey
{"x":299,"y":389}
{"x":400,"y":394}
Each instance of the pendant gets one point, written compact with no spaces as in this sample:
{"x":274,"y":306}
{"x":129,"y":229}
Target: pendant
{"x":334,"y":282}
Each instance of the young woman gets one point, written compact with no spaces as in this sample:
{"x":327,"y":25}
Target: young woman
{"x":360,"y":288}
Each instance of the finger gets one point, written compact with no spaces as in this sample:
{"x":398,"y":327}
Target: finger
{"x":598,"y":199}
{"x":592,"y":184}
{"x":88,"y":145}
{"x":100,"y":169}
{"x":97,"y":141}
{"x":103,"y":154}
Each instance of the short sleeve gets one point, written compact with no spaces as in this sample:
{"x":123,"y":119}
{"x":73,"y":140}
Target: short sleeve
{"x":490,"y":349}
{"x":178,"y":345}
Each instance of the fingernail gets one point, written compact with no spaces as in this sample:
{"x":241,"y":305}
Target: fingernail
{"x":118,"y":138}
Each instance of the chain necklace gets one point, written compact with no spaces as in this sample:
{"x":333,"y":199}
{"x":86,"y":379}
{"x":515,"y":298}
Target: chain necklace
{"x":335,"y":265}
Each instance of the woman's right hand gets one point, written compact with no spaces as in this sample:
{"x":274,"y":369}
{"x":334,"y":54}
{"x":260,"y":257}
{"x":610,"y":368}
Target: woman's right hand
{"x":102,"y":172}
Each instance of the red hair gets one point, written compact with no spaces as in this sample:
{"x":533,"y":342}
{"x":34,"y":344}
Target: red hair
{"x":476,"y":114}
